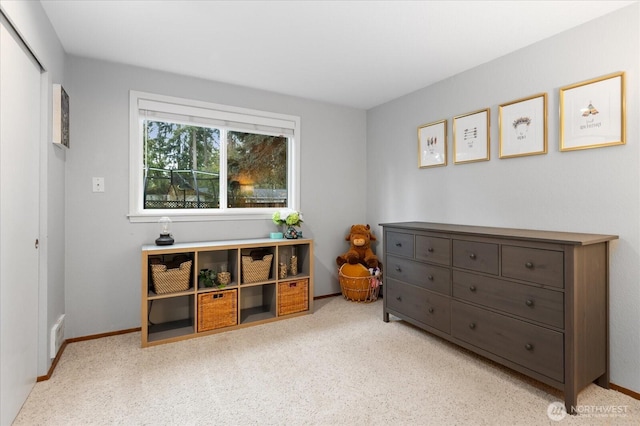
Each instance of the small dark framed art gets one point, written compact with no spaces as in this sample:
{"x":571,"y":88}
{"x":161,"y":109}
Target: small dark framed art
{"x":60,"y":116}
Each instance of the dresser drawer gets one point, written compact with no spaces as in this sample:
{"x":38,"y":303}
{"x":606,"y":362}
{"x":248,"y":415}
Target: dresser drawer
{"x":534,"y":303}
{"x":419,"y":304}
{"x":399,"y":243}
{"x":481,"y":257}
{"x":533,"y":347}
{"x":534,"y":265}
{"x":431,"y":277}
{"x":433,"y":249}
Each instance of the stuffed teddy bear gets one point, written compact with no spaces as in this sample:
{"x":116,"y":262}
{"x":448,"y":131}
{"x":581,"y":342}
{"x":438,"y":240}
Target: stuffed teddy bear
{"x":360,"y":251}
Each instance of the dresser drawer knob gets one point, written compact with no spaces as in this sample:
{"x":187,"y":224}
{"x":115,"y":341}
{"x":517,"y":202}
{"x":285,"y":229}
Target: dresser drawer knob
{"x":529,"y":265}
{"x":399,"y":299}
{"x":472,"y":256}
{"x":472,"y":288}
{"x":398,"y":244}
{"x":430,"y":277}
{"x":398,"y":269}
{"x":529,"y":302}
{"x":472,"y":325}
{"x":528,"y":347}
{"x":430,"y":310}
{"x":430,"y":249}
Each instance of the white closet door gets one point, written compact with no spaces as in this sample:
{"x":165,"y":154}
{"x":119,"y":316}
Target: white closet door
{"x":19,"y":221}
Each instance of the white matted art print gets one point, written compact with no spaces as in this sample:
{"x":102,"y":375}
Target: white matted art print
{"x":432,"y":144}
{"x":592,"y":113}
{"x":471,"y":137}
{"x":523,"y":127}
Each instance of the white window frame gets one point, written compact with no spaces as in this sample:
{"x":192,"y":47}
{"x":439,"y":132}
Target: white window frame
{"x":231,"y":117}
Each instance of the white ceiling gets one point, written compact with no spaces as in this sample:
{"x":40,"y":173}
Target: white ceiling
{"x":354,"y":53}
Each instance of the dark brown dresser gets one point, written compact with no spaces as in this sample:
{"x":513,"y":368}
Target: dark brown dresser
{"x":534,"y":301}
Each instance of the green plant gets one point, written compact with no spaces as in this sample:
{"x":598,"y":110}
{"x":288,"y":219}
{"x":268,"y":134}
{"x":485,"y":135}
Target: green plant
{"x":287,"y":217}
{"x":207,"y":277}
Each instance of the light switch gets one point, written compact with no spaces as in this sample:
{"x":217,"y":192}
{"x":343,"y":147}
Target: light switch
{"x":98,"y":184}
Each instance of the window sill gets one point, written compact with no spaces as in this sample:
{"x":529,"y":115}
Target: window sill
{"x":190,"y":216}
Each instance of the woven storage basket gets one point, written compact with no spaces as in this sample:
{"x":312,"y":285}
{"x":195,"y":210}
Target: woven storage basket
{"x":217,"y":309}
{"x":358,"y":289}
{"x":256,"y":270}
{"x":293,"y":296}
{"x":171,"y":280}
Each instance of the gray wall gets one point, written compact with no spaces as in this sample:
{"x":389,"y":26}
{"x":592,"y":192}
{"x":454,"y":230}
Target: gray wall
{"x":595,"y":190}
{"x":103,"y":247}
{"x":592,"y":191}
{"x":34,"y":27}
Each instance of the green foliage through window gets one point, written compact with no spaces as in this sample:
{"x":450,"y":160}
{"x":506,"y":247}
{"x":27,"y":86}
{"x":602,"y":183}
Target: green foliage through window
{"x":257,"y":170}
{"x":183,"y":169}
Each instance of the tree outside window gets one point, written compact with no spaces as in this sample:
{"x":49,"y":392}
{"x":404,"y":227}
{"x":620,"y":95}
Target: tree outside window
{"x":183,"y":167}
{"x":256,"y":170}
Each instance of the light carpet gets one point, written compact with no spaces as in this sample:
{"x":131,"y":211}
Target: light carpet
{"x":340,"y":366}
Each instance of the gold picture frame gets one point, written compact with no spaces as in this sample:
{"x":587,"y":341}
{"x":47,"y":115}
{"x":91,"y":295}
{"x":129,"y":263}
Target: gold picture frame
{"x":523,"y":127}
{"x":432,"y":144}
{"x":592,"y":113}
{"x":471,"y":137}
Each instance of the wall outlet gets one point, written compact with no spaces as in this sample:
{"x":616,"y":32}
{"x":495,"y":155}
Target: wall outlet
{"x":98,"y":184}
{"x":57,"y":336}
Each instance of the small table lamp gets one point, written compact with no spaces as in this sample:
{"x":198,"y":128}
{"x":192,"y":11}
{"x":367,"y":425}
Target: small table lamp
{"x":165,"y":238}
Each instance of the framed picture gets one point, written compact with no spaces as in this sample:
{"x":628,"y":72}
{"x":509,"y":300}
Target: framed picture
{"x":523,"y":127}
{"x":432,"y":144}
{"x":60,"y":116}
{"x":592,"y":113}
{"x":471,"y":137}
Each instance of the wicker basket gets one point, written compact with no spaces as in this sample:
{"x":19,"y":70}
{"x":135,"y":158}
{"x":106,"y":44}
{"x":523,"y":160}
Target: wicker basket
{"x":171,"y":280}
{"x":217,"y":309}
{"x":256,"y":270}
{"x":359,"y":289}
{"x":293,"y":296}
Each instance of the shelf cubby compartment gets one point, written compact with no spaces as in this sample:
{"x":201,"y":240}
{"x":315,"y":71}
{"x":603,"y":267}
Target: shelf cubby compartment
{"x":170,"y":317}
{"x":257,"y":303}
{"x":217,"y":309}
{"x":171,"y":279}
{"x":293,"y":296}
{"x":224,"y":260}
{"x":257,"y":264}
{"x":302,"y":263}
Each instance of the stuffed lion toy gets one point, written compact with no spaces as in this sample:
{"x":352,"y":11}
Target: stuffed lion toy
{"x":360,"y":251}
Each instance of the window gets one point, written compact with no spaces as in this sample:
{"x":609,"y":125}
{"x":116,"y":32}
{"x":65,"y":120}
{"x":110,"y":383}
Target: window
{"x":193,"y":160}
